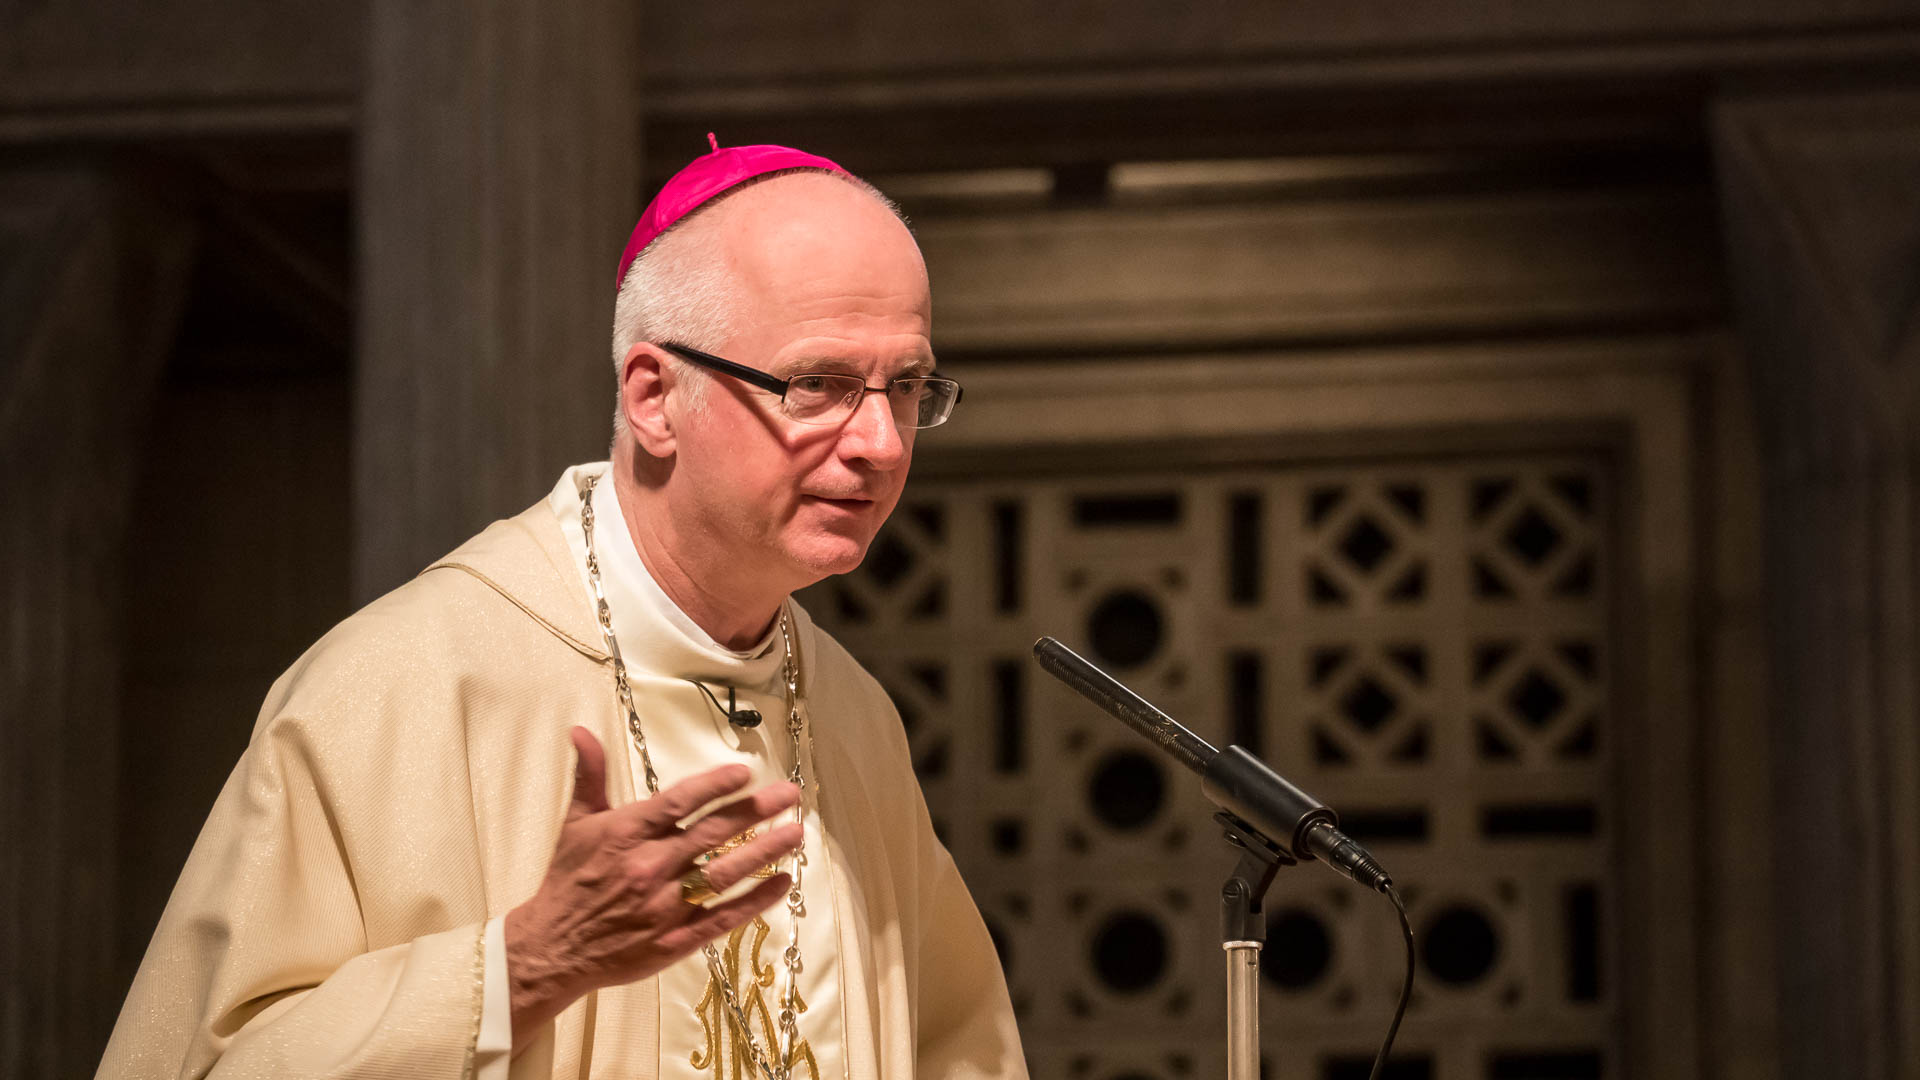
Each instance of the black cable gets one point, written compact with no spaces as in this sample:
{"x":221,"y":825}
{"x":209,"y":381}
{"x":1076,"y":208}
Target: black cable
{"x":724,"y":711}
{"x":1406,"y":987}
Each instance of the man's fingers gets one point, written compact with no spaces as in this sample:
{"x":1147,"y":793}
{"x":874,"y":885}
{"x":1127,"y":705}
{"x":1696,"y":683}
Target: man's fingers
{"x":710,"y":923}
{"x":732,"y":868}
{"x":589,"y":775}
{"x":736,"y":817}
{"x":659,"y":815}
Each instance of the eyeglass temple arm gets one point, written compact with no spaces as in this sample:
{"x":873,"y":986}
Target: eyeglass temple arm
{"x":727,"y":367}
{"x":756,"y":377}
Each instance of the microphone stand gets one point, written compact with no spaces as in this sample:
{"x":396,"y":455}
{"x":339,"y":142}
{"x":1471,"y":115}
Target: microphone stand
{"x":1243,"y":934}
{"x":1266,"y":818}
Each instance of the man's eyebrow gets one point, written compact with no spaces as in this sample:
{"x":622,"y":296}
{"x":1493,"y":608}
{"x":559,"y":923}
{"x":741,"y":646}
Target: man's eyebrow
{"x":833,"y":363}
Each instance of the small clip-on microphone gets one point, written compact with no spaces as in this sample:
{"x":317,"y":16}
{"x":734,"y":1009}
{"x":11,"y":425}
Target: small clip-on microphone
{"x":738,"y":716}
{"x":748,"y":717}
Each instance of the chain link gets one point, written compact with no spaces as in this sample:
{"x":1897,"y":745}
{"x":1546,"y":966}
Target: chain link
{"x":789,"y":1022}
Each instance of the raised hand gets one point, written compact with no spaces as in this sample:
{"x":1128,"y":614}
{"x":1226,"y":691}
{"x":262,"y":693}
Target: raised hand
{"x":610,"y":909}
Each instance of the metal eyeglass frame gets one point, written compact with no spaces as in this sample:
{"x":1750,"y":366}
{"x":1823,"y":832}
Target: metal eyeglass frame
{"x":777,"y":386}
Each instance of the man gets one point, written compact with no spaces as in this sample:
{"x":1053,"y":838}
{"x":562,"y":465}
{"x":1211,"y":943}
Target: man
{"x":423,"y":867}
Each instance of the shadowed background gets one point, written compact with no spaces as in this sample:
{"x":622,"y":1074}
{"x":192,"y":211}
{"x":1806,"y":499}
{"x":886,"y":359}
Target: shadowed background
{"x":1500,"y":417}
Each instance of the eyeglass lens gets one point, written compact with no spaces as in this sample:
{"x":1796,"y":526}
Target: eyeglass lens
{"x":827,"y":399}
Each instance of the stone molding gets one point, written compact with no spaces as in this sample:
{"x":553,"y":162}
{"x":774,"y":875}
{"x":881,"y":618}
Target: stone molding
{"x":1823,"y":228}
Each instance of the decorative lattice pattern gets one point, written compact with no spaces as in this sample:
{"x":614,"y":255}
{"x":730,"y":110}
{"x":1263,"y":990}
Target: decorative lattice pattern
{"x":1423,"y":645}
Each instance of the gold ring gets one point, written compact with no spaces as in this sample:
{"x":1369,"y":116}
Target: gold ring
{"x":696,"y":888}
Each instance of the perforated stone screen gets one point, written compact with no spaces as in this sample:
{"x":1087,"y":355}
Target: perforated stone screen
{"x":1422,"y":644}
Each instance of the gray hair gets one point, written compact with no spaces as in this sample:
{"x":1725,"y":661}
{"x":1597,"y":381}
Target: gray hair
{"x":678,"y":290}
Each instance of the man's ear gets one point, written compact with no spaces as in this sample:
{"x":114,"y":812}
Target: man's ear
{"x":645,"y":380}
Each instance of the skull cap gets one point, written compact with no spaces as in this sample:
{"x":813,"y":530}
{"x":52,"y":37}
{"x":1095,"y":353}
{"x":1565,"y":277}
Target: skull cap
{"x":707,"y":176}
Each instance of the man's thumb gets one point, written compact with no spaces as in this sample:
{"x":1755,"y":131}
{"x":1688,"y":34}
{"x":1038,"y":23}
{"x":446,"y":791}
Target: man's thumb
{"x":589,"y":775}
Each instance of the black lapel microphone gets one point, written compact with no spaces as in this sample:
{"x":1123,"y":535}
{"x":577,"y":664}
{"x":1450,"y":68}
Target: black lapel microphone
{"x":747,"y":717}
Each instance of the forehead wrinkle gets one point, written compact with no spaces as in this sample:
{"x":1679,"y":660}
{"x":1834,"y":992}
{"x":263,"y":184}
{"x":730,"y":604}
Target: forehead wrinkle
{"x":809,"y":307}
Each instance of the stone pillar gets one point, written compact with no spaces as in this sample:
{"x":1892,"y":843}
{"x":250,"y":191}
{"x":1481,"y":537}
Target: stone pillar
{"x":1822,"y":200}
{"x":90,"y":292}
{"x":498,"y":178}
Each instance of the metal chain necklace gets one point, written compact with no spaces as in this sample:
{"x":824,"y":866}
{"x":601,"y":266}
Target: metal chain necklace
{"x":789,"y":1022}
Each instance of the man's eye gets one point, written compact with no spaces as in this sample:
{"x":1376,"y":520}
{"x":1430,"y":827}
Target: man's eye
{"x":809,"y":384}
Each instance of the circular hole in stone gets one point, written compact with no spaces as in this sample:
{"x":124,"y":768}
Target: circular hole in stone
{"x":1125,"y":628}
{"x":1130,"y":952}
{"x":1299,"y":950}
{"x":1127,"y":789}
{"x":1460,"y":945}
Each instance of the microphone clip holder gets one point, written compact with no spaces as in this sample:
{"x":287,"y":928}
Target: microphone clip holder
{"x":1242,"y":914}
{"x":1243,"y":934}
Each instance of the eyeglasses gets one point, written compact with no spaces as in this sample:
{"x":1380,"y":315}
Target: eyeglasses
{"x":919,"y":401}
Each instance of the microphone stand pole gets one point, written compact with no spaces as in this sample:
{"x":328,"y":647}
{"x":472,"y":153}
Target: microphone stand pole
{"x":1243,"y":933}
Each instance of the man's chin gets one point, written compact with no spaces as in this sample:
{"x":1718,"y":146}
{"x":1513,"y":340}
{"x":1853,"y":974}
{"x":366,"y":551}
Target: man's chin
{"x":827,"y":555}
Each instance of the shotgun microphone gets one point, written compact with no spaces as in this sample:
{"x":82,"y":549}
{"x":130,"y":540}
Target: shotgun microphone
{"x":1239,"y":783}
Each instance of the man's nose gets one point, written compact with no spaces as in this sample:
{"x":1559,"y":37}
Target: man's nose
{"x":872,"y":435}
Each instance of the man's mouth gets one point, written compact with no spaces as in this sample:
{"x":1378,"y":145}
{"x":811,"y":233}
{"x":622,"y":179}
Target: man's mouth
{"x":853,"y":502}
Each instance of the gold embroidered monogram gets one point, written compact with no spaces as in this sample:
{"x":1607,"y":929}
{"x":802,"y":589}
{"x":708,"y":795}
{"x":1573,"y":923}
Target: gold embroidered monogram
{"x":762,"y":873}
{"x":725,"y":1055}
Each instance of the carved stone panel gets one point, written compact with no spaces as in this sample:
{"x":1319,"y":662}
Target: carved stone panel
{"x":1426,"y":644}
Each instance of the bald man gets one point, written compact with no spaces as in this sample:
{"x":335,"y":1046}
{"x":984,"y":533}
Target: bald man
{"x":592,"y":795}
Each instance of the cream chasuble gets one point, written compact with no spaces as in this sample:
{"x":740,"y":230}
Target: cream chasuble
{"x":403,"y":788}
